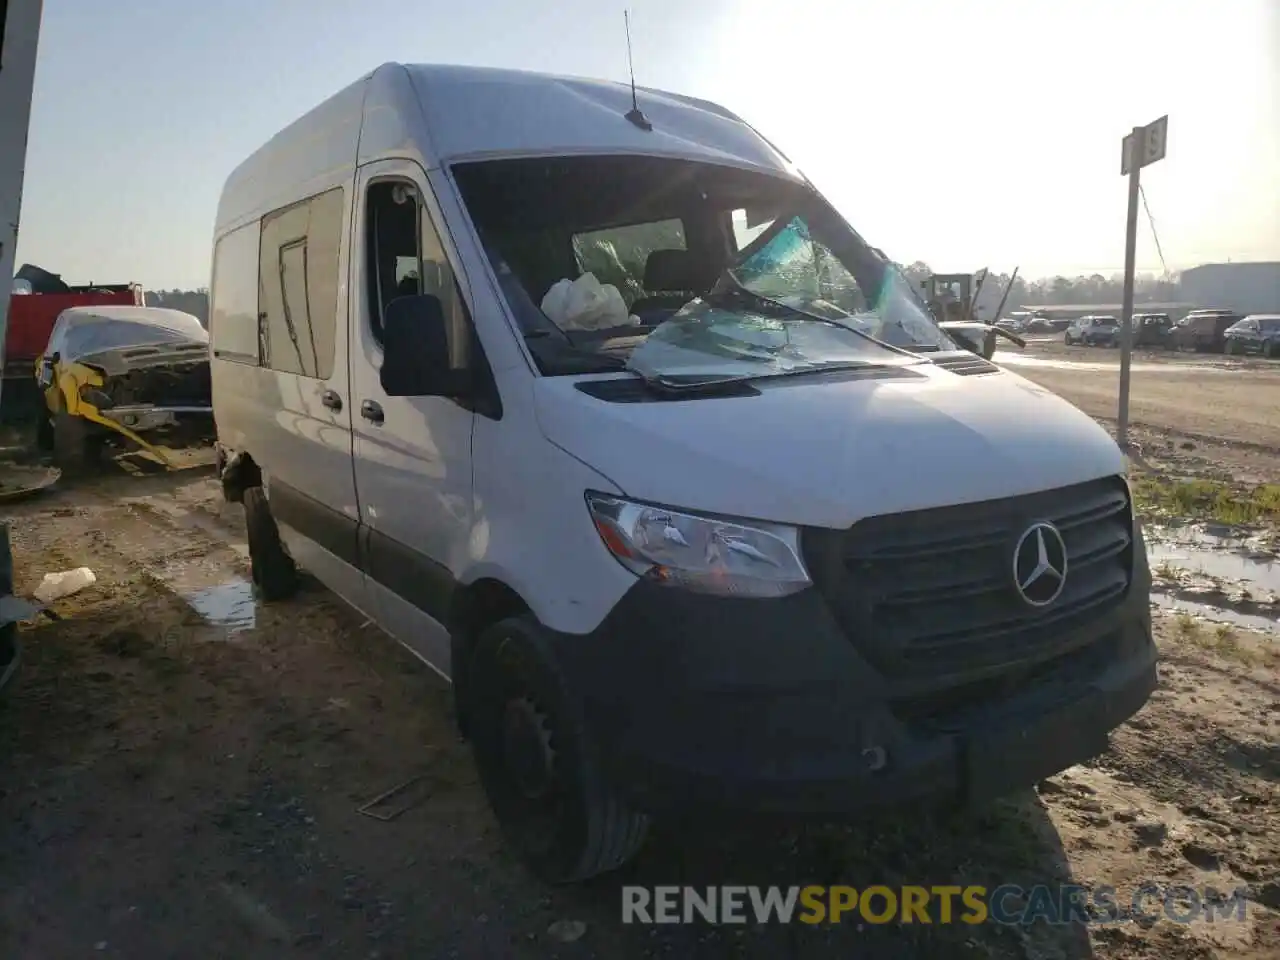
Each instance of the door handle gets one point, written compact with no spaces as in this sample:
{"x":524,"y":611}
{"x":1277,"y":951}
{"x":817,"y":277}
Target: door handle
{"x":371,"y":410}
{"x":331,"y":400}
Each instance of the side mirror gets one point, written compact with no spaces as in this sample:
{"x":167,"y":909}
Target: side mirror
{"x":45,"y":376}
{"x":415,"y":351}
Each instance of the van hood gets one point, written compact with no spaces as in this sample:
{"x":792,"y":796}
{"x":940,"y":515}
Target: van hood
{"x":827,"y":451}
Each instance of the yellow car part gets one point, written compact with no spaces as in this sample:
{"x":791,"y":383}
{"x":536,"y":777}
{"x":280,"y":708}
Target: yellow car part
{"x":62,"y":395}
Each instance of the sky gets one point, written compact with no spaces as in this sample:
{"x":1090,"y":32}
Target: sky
{"x":982,"y":133}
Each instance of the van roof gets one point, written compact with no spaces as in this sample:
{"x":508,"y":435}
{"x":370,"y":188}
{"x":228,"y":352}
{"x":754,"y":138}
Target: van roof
{"x":439,"y":114}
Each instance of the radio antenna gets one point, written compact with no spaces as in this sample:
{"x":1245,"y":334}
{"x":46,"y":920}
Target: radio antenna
{"x":634,"y":114}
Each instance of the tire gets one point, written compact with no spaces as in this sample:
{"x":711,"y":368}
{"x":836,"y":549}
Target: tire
{"x":1066,"y":341}
{"x":558,"y":813}
{"x":1269,"y":349}
{"x":274,"y":572}
{"x":44,"y":432}
{"x":75,"y":447}
{"x":1229,"y":347}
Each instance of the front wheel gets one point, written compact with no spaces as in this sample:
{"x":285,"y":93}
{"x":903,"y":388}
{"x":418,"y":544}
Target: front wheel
{"x":538,"y":765}
{"x":1229,"y":347}
{"x":77,"y":447}
{"x":274,"y":572}
{"x":44,"y":433}
{"x":1270,"y":349}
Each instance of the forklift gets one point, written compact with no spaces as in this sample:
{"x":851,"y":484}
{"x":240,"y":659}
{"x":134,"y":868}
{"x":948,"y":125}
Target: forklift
{"x":952,"y":299}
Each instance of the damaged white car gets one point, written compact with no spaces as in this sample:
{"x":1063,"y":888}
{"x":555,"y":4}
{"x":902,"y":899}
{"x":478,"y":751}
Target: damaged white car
{"x":137,"y":373}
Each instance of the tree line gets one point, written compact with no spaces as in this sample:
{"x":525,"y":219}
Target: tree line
{"x":1058,"y":291}
{"x":194,"y":302}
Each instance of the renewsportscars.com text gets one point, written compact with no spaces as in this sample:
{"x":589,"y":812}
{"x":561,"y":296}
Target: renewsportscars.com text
{"x":938,"y":904}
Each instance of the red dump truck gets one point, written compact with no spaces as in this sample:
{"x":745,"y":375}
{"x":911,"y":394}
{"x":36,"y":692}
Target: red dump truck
{"x":38,"y":297}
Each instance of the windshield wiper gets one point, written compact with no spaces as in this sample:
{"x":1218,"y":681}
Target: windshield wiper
{"x":567,"y":358}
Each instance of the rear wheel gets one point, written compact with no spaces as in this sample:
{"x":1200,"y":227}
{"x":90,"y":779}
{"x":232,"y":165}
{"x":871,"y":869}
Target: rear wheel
{"x":274,"y":572}
{"x":538,"y":765}
{"x":1270,"y":349}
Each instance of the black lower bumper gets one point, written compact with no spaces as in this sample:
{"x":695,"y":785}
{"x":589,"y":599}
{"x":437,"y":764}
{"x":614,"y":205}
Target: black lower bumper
{"x":766,"y":706}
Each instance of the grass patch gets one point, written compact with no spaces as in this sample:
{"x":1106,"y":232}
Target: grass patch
{"x":1207,"y":500}
{"x":1223,"y":640}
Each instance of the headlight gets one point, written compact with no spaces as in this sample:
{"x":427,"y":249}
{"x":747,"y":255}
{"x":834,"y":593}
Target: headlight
{"x":703,"y":554}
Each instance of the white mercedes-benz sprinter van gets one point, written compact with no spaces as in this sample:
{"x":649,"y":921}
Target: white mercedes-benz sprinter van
{"x":767,"y":540}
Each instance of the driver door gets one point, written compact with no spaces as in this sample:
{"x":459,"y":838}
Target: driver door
{"x":412,"y":454}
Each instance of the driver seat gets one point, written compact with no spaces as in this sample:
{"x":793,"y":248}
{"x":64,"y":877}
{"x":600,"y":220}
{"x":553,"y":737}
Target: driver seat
{"x":671,"y":280}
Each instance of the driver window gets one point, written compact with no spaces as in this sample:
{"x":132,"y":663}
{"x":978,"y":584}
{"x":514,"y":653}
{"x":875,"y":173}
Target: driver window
{"x":393,"y":256}
{"x":406,"y":257}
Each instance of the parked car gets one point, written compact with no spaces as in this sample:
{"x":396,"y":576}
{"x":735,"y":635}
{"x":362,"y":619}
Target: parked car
{"x":1202,"y":330}
{"x":131,"y":373}
{"x":1152,"y":329}
{"x":741,"y":557}
{"x":39,"y":297}
{"x":1099,"y":331}
{"x":1256,"y":333}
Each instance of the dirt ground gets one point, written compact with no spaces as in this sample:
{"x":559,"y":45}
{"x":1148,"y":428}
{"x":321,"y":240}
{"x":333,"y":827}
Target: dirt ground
{"x":1224,"y":410}
{"x":182,"y":769}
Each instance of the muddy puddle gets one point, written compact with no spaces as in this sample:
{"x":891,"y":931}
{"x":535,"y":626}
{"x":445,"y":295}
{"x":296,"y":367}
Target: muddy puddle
{"x":1217,"y":574}
{"x":1216,"y":614}
{"x":223,"y":600}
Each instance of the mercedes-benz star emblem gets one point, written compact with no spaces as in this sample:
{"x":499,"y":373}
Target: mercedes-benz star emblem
{"x":1040,"y":564}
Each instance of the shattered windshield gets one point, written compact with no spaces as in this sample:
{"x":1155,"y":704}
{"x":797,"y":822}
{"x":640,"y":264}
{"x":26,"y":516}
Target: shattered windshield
{"x":687,"y":272}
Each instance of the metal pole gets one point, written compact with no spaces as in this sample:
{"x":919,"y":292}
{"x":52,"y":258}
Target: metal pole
{"x":17,"y":78}
{"x":1126,"y":319}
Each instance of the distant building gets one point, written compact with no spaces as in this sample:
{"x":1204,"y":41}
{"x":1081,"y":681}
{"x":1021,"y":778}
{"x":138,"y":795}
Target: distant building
{"x":1242,"y":287}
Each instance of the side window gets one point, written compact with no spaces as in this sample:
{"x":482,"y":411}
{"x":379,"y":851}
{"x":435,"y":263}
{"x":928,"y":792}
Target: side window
{"x":747,"y":225}
{"x":233,"y":310}
{"x":298,"y":285}
{"x":406,"y":257}
{"x":620,"y":255}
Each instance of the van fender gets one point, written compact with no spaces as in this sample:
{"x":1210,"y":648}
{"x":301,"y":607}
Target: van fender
{"x":237,"y":472}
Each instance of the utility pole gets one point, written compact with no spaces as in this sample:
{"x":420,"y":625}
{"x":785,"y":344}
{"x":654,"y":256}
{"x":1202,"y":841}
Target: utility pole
{"x":20,"y":23}
{"x":19,"y":31}
{"x":1143,"y":145}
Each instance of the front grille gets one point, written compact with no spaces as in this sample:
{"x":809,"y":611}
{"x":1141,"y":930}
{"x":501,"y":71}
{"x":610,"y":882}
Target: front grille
{"x":931,"y":592}
{"x":178,"y":384}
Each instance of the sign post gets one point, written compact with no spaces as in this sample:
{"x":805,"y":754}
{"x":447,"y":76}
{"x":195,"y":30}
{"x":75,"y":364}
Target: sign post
{"x":1143,"y":146}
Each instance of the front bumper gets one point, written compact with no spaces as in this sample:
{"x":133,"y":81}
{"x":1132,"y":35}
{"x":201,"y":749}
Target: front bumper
{"x":766,"y":706}
{"x":143,"y":418}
